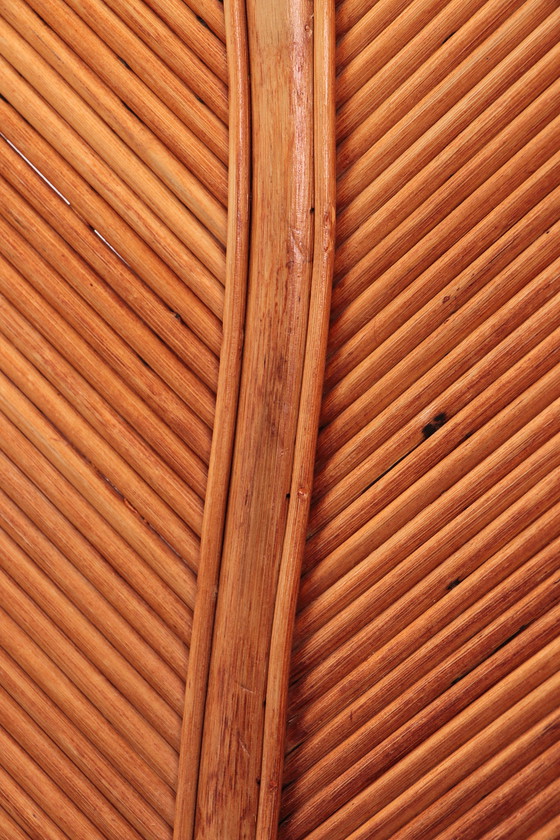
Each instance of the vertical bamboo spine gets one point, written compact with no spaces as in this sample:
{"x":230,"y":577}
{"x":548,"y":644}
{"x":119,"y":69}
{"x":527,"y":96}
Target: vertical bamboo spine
{"x":268,"y":449}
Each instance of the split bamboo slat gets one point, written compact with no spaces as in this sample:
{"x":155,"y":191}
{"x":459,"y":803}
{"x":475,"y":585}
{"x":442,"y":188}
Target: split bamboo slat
{"x":279,"y":420}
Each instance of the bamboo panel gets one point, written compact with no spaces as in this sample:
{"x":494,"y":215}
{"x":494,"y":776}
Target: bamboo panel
{"x":279,"y":419}
{"x":113,"y":193}
{"x":423,"y":698}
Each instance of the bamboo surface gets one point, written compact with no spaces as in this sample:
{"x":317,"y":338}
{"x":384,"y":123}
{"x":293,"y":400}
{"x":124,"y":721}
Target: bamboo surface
{"x":279,"y":420}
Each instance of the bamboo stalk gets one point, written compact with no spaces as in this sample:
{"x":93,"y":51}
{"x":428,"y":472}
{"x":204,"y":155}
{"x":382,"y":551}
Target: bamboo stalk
{"x":181,"y":30}
{"x":97,"y":410}
{"x":308,"y":421}
{"x":159,"y":705}
{"x":158,"y":749}
{"x":193,"y":234}
{"x":120,"y":279}
{"x":186,"y":164}
{"x":208,"y":12}
{"x":447,"y":377}
{"x":188,"y":128}
{"x":142,"y":633}
{"x":516,"y":247}
{"x":102,"y":178}
{"x":365,"y":19}
{"x":379,"y":137}
{"x":56,"y":803}
{"x":451,"y":245}
{"x":396,"y":734}
{"x":356,"y":417}
{"x":498,"y":138}
{"x":280,"y":54}
{"x":64,"y":775}
{"x":85,"y":523}
{"x":525,"y":802}
{"x":488,"y":368}
{"x":101,"y":216}
{"x":518,"y":499}
{"x":412,"y":672}
{"x":12,"y":829}
{"x":511,"y":707}
{"x":219,"y":470}
{"x":115,"y":26}
{"x":63,"y":277}
{"x":471,"y":469}
{"x":547,"y":832}
{"x":90,"y":464}
{"x":26,"y":811}
{"x":80,"y":750}
{"x":483,"y":782}
{"x":91,"y":722}
{"x":358,"y":58}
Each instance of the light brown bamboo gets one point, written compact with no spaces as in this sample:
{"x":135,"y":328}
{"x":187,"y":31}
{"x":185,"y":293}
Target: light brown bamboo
{"x":119,"y":277}
{"x":280,"y":54}
{"x":355,"y":632}
{"x":193,"y":232}
{"x":478,"y":388}
{"x":413,"y":674}
{"x":174,"y":483}
{"x":180,"y":160}
{"x":497,"y":139}
{"x":308,"y":421}
{"x":397,"y":731}
{"x":224,"y":425}
{"x":365,"y":19}
{"x":358,"y":109}
{"x":450,"y":246}
{"x":423,"y":29}
{"x":526,"y":801}
{"x":11,"y":829}
{"x":549,"y":831}
{"x":124,"y":359}
{"x":467,"y":472}
{"x":516,"y":247}
{"x":159,"y":750}
{"x":35,"y":573}
{"x":91,"y":573}
{"x":211,"y":12}
{"x":512,"y":706}
{"x":177,"y":296}
{"x":94,"y":488}
{"x":149,"y":87}
{"x":64,"y":775}
{"x":160,"y":706}
{"x":80,"y":750}
{"x":101,"y":177}
{"x":190,"y":33}
{"x":26,"y":811}
{"x":57,"y":804}
{"x":391,"y":547}
{"x":99,"y":473}
{"x":389,"y":389}
{"x":91,"y":722}
{"x":483,"y":782}
{"x":87,"y":538}
{"x":378,"y":138}
{"x":175,"y":54}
